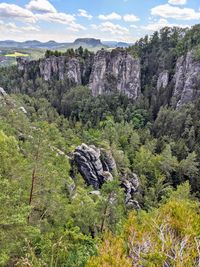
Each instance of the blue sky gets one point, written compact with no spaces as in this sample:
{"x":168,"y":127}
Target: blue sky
{"x":66,"y":20}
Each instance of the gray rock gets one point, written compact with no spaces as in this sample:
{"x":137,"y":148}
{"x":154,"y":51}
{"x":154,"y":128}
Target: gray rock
{"x":96,"y":169}
{"x":95,"y":192}
{"x":163,"y":80}
{"x":130,"y":183}
{"x":61,"y":67}
{"x":3,"y":92}
{"x":104,"y":72}
{"x":108,"y":161}
{"x":23,"y":110}
{"x":21,"y":63}
{"x":186,"y":80}
{"x":87,"y":159}
{"x":116,"y":70}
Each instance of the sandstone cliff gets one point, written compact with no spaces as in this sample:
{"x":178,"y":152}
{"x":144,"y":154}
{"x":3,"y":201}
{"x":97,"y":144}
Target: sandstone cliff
{"x":115,"y":70}
{"x":186,"y":79}
{"x":104,"y":72}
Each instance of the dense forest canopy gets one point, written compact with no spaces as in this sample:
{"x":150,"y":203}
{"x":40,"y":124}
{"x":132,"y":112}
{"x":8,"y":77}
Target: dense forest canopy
{"x":48,"y":214}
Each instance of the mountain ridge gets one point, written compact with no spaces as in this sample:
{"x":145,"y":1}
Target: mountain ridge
{"x":51,"y":44}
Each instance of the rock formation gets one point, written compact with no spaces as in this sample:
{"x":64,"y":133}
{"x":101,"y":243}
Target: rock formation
{"x":104,"y":72}
{"x":131,"y":183}
{"x":61,"y":68}
{"x":97,"y":166}
{"x":90,"y":165}
{"x":163,"y":80}
{"x":115,"y":70}
{"x":186,"y":80}
{"x":2,"y":92}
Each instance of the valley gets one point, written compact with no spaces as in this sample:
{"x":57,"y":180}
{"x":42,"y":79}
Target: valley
{"x":99,"y":152}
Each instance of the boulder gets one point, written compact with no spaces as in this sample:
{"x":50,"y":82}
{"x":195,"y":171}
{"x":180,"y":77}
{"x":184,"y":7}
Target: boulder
{"x":3,"y":92}
{"x":96,"y":167}
{"x":88,"y":162}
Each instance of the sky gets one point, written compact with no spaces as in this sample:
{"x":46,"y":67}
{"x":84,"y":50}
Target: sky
{"x":113,"y":20}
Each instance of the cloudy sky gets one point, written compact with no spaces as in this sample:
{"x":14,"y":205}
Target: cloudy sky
{"x":66,"y":20}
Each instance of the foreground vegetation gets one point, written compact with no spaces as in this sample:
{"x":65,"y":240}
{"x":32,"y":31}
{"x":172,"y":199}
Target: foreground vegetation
{"x":49,"y":219}
{"x":50,"y":227}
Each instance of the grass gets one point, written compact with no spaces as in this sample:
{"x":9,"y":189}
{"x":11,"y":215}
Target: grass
{"x":17,"y":54}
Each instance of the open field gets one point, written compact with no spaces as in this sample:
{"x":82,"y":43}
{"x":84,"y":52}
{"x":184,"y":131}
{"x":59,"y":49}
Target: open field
{"x":8,"y":55}
{"x":17,"y":54}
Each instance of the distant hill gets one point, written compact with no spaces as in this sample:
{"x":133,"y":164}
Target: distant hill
{"x":115,"y":44}
{"x":88,"y":42}
{"x":85,"y":42}
{"x":32,"y":44}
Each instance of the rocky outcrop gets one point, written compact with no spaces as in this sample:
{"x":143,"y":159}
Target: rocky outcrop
{"x":23,"y":109}
{"x":60,"y":68}
{"x":131,"y":183}
{"x":186,"y":80}
{"x":51,"y":68}
{"x":105,"y":72}
{"x":163,"y":80}
{"x":21,"y":63}
{"x":108,"y":161}
{"x":116,"y":70}
{"x":89,"y":164}
{"x":97,"y":166}
{"x":2,"y":92}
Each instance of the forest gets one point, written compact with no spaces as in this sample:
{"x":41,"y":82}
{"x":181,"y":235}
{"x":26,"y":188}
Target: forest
{"x":50,"y":217}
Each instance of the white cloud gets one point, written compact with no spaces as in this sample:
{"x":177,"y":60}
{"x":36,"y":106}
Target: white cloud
{"x":177,"y":2}
{"x":41,"y":6}
{"x":110,"y":27}
{"x":15,"y":12}
{"x":12,"y":11}
{"x":75,"y":27}
{"x":111,"y":16}
{"x":134,"y":26}
{"x":30,"y":28}
{"x":130,"y":18}
{"x":62,"y":18}
{"x":12,"y":27}
{"x":161,"y":23}
{"x":84,"y":13}
{"x":167,"y":11}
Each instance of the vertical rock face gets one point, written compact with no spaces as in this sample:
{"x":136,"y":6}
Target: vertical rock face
{"x":186,"y":80}
{"x":105,"y":72}
{"x":116,"y":70}
{"x":96,"y":167}
{"x":163,"y":80}
{"x":61,"y":68}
